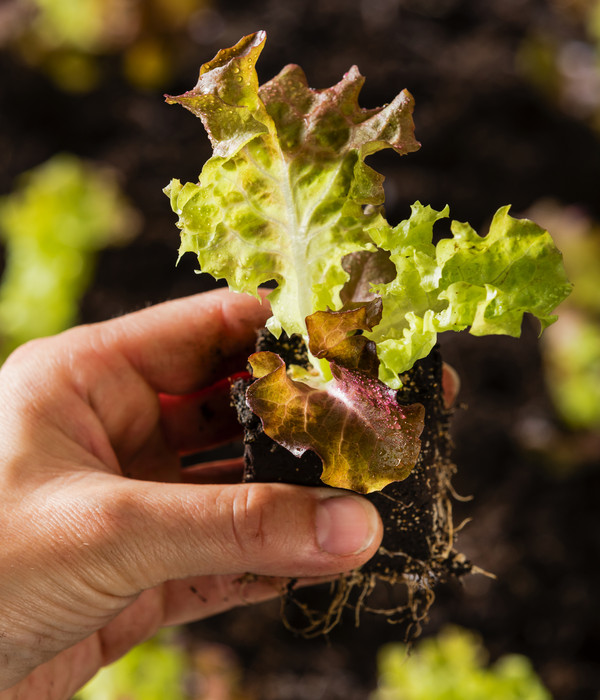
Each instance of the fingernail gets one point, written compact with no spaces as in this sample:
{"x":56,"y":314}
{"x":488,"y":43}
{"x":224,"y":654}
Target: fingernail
{"x":345,"y":525}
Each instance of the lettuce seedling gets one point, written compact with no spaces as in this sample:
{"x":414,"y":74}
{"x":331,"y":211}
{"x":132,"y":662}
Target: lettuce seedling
{"x":287,"y":197}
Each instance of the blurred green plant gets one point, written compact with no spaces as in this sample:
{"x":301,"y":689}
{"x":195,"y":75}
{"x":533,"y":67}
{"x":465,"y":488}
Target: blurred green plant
{"x":564,"y":68}
{"x":61,"y":214}
{"x":154,"y":670}
{"x":453,"y":666}
{"x":571,"y":350}
{"x":66,"y":39}
{"x":86,"y":25}
{"x":166,"y":667}
{"x":573,"y":370}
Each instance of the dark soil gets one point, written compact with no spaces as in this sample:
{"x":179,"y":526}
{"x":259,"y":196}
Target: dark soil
{"x":489,"y":138}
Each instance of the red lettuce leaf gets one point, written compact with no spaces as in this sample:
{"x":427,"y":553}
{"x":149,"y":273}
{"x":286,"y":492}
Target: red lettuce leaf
{"x":353,"y":422}
{"x":366,"y":268}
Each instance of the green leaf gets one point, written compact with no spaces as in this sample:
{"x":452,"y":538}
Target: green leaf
{"x":353,"y":422}
{"x":485,"y":284}
{"x":284,"y":196}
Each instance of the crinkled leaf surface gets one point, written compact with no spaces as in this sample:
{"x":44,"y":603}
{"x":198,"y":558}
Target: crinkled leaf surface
{"x":365,"y":269}
{"x":485,"y":283}
{"x":332,"y":336}
{"x":353,"y":422}
{"x":283,"y":197}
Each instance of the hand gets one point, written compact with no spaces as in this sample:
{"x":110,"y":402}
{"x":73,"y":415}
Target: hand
{"x":100,"y":545}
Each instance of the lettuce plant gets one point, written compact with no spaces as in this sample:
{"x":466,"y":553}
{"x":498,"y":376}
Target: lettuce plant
{"x":288,"y":197}
{"x":454,"y":665}
{"x":53,"y":225}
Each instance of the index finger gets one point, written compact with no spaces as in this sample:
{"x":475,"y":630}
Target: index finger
{"x":182,"y":345}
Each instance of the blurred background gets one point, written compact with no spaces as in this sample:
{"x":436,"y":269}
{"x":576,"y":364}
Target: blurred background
{"x":508,"y":111}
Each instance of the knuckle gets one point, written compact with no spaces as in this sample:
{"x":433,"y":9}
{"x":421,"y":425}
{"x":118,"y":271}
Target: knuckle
{"x":252,"y":518}
{"x":111,"y":510}
{"x":96,"y":526}
{"x":97,"y":521}
{"x":31,"y":351}
{"x":109,"y":530}
{"x":81,"y":535}
{"x":28,"y":384}
{"x":47,"y":351}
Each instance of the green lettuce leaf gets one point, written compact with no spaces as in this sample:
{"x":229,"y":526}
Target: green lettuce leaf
{"x":485,"y":283}
{"x":285,"y":195}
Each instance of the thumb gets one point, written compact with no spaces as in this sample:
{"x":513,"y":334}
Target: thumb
{"x":171,"y":531}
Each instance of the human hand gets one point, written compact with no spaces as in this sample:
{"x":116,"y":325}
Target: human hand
{"x":100,"y":544}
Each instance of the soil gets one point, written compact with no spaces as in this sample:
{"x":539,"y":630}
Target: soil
{"x":489,"y":138}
